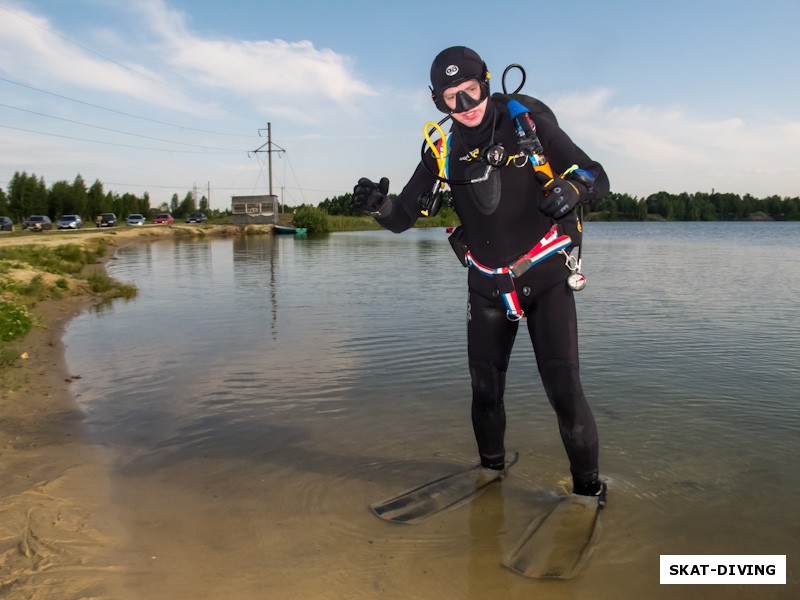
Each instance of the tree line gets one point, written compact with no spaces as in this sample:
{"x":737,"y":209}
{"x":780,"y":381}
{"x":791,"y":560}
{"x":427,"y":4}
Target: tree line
{"x":700,"y":206}
{"x":29,"y":195}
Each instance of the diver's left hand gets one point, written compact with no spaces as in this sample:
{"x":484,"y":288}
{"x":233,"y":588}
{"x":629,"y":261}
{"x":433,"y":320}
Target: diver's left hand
{"x":560,"y":196}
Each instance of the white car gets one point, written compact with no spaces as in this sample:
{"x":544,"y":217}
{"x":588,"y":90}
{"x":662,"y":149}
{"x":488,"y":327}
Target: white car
{"x":135,"y":219}
{"x":70,"y":222}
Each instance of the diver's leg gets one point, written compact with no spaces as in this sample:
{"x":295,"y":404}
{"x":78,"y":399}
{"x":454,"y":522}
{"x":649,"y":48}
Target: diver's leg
{"x":490,"y":337}
{"x":553,"y":327}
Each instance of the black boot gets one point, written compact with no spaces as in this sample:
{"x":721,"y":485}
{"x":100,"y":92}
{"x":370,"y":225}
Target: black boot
{"x":596,"y":488}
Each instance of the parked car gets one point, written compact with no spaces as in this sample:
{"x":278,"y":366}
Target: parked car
{"x":69,"y":222}
{"x":106,"y":220}
{"x":6,"y":224}
{"x":197,"y":217}
{"x":135,"y":219}
{"x":164,"y":219}
{"x":37,"y":223}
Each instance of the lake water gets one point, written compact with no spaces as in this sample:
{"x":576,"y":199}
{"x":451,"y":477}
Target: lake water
{"x":260,"y":392}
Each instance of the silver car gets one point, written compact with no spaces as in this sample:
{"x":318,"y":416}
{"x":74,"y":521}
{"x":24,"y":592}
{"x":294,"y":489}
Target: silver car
{"x":70,"y":222}
{"x":135,"y":219}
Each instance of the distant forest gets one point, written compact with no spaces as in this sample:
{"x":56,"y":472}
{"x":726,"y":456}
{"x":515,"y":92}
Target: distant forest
{"x":29,"y":195}
{"x":700,"y":206}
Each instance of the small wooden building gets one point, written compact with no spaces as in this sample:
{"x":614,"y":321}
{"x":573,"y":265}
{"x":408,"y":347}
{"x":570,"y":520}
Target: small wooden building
{"x":251,"y":210}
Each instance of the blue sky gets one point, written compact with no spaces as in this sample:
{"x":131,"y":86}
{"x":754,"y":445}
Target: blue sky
{"x":163,"y":95}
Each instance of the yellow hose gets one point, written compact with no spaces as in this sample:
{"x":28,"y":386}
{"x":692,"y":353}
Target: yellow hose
{"x":441,"y":155}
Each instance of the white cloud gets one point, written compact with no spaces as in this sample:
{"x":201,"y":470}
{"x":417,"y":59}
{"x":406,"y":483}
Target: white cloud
{"x":32,"y":51}
{"x":275,"y":67}
{"x":293,"y":74}
{"x":646,"y":149}
{"x":251,"y":68}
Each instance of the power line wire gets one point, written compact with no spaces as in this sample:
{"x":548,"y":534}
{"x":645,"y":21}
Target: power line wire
{"x":138,"y":73}
{"x":147,"y":137}
{"x":69,"y":137}
{"x":291,"y":167}
{"x":119,"y":112}
{"x":111,"y":60}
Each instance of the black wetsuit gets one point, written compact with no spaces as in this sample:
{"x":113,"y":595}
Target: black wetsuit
{"x":501,"y":221}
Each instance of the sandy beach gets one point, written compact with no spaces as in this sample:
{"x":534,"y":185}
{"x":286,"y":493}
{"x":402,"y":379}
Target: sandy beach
{"x":59,"y":536}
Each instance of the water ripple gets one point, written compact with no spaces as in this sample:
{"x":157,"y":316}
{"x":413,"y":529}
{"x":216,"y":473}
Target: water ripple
{"x":298,"y":380}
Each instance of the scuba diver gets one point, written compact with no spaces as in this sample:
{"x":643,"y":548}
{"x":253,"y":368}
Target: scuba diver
{"x":516,"y":180}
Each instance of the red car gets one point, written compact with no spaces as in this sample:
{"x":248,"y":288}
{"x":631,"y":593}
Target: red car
{"x":164,"y":219}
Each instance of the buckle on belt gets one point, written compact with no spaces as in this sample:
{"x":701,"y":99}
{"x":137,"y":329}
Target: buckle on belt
{"x":522,"y":265}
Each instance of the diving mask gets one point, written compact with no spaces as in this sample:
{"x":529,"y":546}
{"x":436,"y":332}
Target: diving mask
{"x":465,"y":99}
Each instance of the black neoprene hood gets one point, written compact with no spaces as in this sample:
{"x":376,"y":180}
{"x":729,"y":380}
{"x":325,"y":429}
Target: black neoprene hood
{"x":455,"y":65}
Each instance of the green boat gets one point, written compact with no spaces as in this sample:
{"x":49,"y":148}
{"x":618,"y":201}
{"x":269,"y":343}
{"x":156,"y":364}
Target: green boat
{"x":283,"y":230}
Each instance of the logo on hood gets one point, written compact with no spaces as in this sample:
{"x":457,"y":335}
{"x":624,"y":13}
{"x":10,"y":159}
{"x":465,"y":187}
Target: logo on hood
{"x":451,"y":70}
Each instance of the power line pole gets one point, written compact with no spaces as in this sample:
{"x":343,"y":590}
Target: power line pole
{"x":269,"y":148}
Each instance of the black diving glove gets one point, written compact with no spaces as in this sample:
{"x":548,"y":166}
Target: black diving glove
{"x":370,"y":196}
{"x":560,"y":196}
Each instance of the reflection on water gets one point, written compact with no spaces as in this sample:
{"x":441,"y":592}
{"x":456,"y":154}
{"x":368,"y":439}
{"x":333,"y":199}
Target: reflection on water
{"x":273,"y":387}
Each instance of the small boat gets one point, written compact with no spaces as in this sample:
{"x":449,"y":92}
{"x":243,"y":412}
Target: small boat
{"x":283,"y":230}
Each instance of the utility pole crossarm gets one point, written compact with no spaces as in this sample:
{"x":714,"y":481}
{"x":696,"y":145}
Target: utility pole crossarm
{"x":270,"y":148}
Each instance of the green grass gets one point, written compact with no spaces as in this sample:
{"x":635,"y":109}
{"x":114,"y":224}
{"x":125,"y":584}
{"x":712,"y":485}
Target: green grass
{"x":15,"y":320}
{"x":68,"y":260}
{"x":65,"y":258}
{"x":17,"y":299}
{"x":8,"y":355}
{"x":446,"y":218}
{"x":102,"y":284}
{"x":35,"y":289}
{"x":343,"y":223}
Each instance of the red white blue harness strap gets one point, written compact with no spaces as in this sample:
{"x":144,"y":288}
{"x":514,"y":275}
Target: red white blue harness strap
{"x":504,"y":276}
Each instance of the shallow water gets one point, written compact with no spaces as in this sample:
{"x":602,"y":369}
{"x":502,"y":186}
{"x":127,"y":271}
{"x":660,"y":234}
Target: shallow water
{"x":260,"y":392}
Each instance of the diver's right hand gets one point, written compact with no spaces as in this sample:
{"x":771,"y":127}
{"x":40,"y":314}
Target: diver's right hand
{"x":561,"y":196}
{"x":370,"y":196}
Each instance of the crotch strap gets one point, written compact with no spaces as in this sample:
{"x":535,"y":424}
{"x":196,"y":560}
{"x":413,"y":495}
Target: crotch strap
{"x":551,"y":243}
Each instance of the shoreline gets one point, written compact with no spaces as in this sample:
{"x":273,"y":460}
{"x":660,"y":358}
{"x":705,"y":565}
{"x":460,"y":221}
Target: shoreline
{"x":59,"y":535}
{"x":56,"y":527}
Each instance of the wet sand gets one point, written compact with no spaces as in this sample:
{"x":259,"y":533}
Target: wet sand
{"x":57,"y":531}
